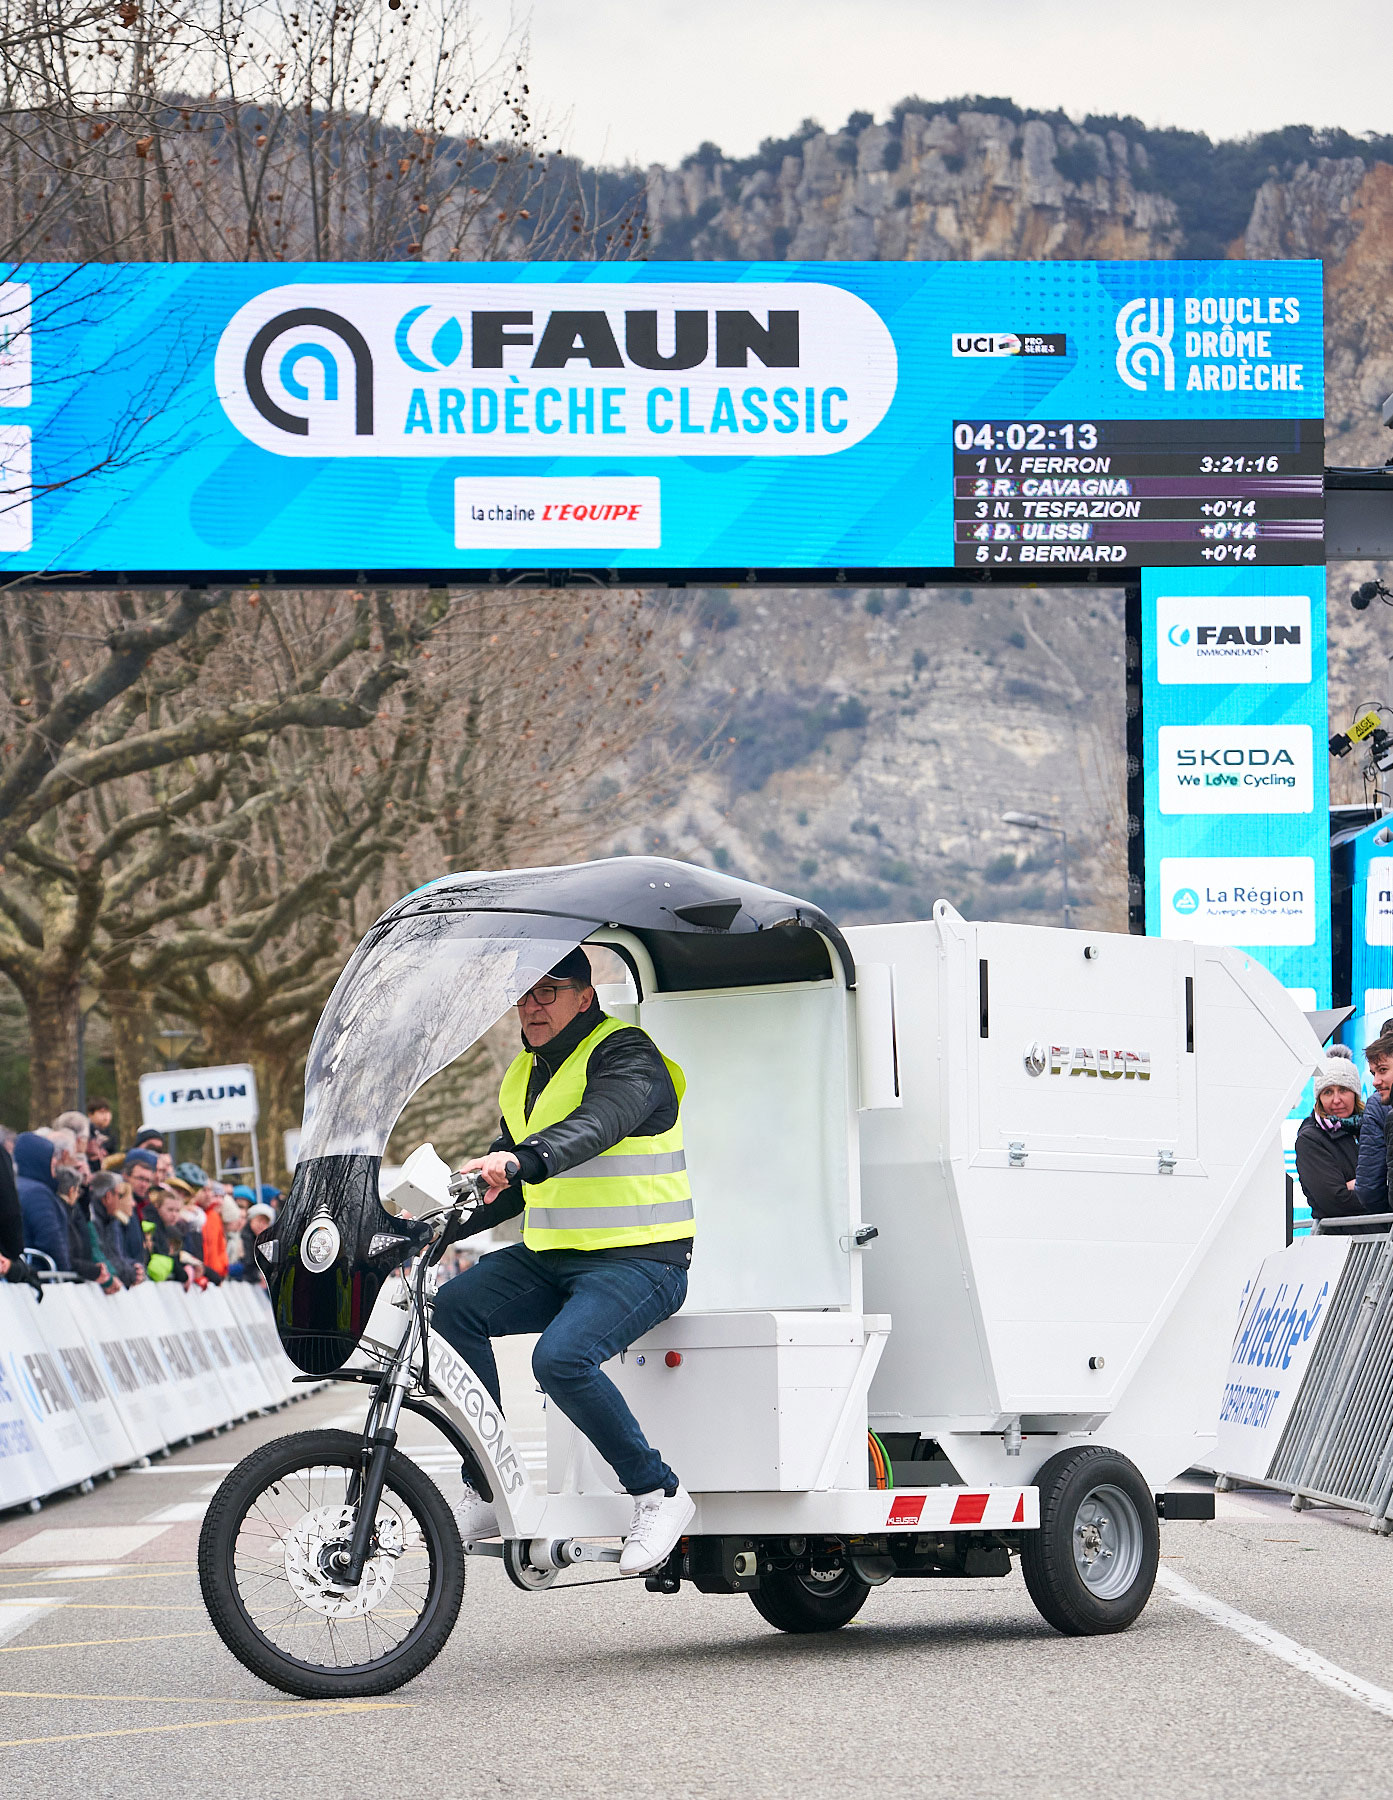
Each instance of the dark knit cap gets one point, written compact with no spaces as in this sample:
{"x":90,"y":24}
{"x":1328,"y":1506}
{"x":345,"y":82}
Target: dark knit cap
{"x":574,"y":966}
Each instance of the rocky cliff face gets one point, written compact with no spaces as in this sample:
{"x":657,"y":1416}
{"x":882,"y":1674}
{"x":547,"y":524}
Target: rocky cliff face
{"x":975,"y":186}
{"x":861,"y":747}
{"x":981,"y":186}
{"x":1342,"y":212}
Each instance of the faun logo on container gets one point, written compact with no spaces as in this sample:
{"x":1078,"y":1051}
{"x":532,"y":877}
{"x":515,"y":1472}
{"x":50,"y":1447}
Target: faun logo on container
{"x":1203,"y":640}
{"x":1087,"y":1059}
{"x":593,"y":369}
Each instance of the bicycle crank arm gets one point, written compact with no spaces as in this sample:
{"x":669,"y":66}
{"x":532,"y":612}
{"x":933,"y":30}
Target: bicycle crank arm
{"x":552,"y":1553}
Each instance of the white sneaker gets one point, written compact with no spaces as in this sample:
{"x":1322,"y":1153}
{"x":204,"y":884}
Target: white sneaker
{"x":475,"y":1516}
{"x":659,"y":1520}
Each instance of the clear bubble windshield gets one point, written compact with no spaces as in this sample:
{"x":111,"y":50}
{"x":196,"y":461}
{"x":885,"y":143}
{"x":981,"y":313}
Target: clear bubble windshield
{"x":415,"y":995}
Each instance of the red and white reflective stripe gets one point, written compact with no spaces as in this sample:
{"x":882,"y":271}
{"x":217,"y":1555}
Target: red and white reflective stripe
{"x":963,"y":1509}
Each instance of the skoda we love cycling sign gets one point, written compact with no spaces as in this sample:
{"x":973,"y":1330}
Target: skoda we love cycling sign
{"x":1073,"y":419}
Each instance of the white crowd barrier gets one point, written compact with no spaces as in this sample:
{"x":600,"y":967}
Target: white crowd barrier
{"x":91,"y":1382}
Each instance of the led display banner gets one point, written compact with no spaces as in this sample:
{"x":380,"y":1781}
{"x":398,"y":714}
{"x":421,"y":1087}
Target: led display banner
{"x":1371,"y":934}
{"x":1069,"y":418}
{"x":1236,"y":772}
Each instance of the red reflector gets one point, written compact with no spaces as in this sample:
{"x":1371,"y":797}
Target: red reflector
{"x":968,"y":1509}
{"x":673,"y":1359}
{"x":906,"y":1509}
{"x":1018,"y":1516}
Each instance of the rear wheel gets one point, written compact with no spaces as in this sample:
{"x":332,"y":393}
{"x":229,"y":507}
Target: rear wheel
{"x":817,"y":1599}
{"x":1092,"y":1564}
{"x":265,"y":1564}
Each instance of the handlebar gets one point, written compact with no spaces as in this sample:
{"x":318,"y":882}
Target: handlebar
{"x":471,"y":1189}
{"x":432,"y":1231}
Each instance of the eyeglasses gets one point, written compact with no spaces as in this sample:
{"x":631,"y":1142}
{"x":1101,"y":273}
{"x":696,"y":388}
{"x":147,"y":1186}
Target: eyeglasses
{"x":545,"y":992}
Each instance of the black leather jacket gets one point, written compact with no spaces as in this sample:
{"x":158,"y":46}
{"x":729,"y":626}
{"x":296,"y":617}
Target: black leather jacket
{"x":628,"y":1093}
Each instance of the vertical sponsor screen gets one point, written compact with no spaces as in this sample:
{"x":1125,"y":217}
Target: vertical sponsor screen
{"x":1371,"y":934}
{"x":1235,"y":765}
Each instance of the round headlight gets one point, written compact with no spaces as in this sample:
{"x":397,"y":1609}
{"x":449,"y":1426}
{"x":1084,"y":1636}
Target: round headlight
{"x":319,"y":1247}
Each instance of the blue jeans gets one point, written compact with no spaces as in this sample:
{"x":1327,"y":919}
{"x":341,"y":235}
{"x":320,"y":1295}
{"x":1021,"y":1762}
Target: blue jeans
{"x":587,"y":1308}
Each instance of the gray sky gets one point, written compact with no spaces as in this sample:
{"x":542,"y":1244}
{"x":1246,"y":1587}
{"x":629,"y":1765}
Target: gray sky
{"x":648,"y":80}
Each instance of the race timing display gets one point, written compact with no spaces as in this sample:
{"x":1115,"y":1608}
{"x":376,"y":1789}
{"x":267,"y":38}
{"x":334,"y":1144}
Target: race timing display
{"x":1160,"y":492}
{"x":651,"y":417}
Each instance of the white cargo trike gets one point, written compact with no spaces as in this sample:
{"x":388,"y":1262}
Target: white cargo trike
{"x":975,"y":1205}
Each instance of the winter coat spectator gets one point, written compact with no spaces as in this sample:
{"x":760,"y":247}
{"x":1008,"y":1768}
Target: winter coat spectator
{"x":1327,"y":1142}
{"x":76,"y":1123}
{"x":259,"y":1216}
{"x":170,"y":1255}
{"x":71,"y":1154}
{"x":191,"y":1220}
{"x":214,"y":1251}
{"x":139,"y":1170}
{"x":120,"y":1240}
{"x":234,"y":1218}
{"x":45,"y":1218}
{"x":1371,"y":1177}
{"x":11,"y":1219}
{"x":101,"y":1139}
{"x":83,"y":1252}
{"x":1371,"y":1171}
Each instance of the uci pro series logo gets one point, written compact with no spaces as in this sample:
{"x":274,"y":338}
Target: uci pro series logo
{"x":597,"y":368}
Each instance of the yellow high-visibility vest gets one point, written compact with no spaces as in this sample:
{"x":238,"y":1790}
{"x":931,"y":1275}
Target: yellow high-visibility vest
{"x":634,"y":1193}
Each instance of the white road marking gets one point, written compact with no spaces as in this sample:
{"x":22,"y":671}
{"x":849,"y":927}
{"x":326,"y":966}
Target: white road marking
{"x":82,"y":1544}
{"x":183,"y":1512}
{"x":78,"y":1572}
{"x":1285,"y":1649}
{"x":174,"y":1468}
{"x":17,"y":1616}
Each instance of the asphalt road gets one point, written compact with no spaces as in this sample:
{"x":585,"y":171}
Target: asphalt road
{"x":112,"y":1682}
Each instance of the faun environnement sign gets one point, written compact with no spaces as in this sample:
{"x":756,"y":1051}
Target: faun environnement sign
{"x":1051,"y":418}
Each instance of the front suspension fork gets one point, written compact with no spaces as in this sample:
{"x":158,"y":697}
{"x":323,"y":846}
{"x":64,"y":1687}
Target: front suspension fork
{"x":379,"y":1439}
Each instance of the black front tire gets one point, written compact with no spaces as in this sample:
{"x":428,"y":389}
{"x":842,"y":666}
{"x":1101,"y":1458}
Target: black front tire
{"x":236,"y":1501}
{"x":793,"y":1602}
{"x":1091,"y":1566}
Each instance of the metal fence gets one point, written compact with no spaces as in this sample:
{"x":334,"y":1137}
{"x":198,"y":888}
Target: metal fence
{"x":1338,"y":1443}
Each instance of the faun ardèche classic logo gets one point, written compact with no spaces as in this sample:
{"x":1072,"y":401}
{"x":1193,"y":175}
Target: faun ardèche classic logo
{"x":518,"y":369}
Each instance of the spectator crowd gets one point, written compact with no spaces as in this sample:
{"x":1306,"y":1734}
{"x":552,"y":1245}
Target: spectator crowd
{"x":71,"y":1201}
{"x":1345,"y":1145}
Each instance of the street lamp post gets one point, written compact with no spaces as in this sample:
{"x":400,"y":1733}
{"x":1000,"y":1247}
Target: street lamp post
{"x":1034,"y":822}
